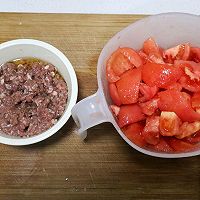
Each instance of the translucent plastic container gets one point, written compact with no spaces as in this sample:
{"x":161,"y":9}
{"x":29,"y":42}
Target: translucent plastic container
{"x":168,"y":30}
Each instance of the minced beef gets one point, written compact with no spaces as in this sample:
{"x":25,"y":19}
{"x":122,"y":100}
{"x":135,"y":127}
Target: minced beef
{"x":33,"y":96}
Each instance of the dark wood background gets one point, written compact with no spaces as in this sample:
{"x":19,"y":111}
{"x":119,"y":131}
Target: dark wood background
{"x":103,"y":166}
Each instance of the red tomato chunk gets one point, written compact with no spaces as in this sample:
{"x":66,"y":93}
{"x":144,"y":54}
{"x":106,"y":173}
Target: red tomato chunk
{"x":134,"y":133}
{"x":151,"y":130}
{"x":162,"y":146}
{"x":180,"y":146}
{"x":120,"y":61}
{"x":156,"y":95}
{"x":128,"y":86}
{"x":129,"y":114}
{"x":160,"y":75}
{"x":178,"y":102}
{"x":114,"y":94}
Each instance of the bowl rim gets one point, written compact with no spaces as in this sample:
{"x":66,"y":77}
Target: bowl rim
{"x":100,"y":88}
{"x":73,"y":98}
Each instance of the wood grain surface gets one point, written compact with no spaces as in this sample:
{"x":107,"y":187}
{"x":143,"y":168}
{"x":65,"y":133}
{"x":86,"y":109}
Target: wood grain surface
{"x":103,"y":166}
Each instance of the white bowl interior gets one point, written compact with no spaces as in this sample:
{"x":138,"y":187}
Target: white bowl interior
{"x":32,"y":48}
{"x":168,"y":30}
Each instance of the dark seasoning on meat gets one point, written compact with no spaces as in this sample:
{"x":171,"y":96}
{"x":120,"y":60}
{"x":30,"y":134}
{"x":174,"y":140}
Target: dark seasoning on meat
{"x":33,"y":96}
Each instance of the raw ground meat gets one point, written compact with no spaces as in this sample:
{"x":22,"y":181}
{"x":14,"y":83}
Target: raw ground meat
{"x":33,"y":96}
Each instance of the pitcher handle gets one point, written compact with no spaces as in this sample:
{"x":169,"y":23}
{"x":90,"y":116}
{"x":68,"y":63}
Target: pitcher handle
{"x":89,"y":112}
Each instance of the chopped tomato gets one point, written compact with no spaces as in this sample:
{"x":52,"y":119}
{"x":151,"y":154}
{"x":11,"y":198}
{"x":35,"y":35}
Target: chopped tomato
{"x":120,"y":61}
{"x":180,"y":146}
{"x":195,"y":138}
{"x":175,"y":86}
{"x":188,"y":129}
{"x":149,"y":107}
{"x":160,"y":75}
{"x":195,"y":54}
{"x":188,"y":84}
{"x":134,"y":133}
{"x":196,"y":100}
{"x":156,"y":95}
{"x":129,"y":114}
{"x":144,"y":56}
{"x":194,"y":75}
{"x":187,"y":63}
{"x":128,"y":86}
{"x":116,"y":65}
{"x":151,"y":130}
{"x":115,"y":110}
{"x":156,"y":58}
{"x":162,"y":146}
{"x":178,"y":102}
{"x":182,"y":63}
{"x":190,"y":68}
{"x":114,"y":94}
{"x":186,"y":52}
{"x":132,"y":56}
{"x":179,"y":52}
{"x":190,"y":80}
{"x":170,"y":54}
{"x":147,"y":92}
{"x":151,"y":48}
{"x":169,"y":124}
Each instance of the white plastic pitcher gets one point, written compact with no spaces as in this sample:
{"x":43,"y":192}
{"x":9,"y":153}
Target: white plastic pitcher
{"x":168,"y":30}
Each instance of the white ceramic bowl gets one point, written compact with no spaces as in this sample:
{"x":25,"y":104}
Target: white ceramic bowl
{"x":33,"y":48}
{"x":168,"y":30}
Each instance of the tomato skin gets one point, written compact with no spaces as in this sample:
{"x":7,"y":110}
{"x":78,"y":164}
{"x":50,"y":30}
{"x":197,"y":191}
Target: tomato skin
{"x":151,"y":130}
{"x":147,"y":92}
{"x":128,"y":86}
{"x":129,"y":114}
{"x":161,"y":75}
{"x":180,"y":145}
{"x":149,"y":107}
{"x":162,"y":146}
{"x":178,"y":102}
{"x":134,"y":133}
{"x":196,"y":100}
{"x":114,"y":94}
{"x":169,"y":124}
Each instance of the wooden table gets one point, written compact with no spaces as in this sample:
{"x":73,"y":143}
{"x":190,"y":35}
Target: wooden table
{"x":103,"y":166}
